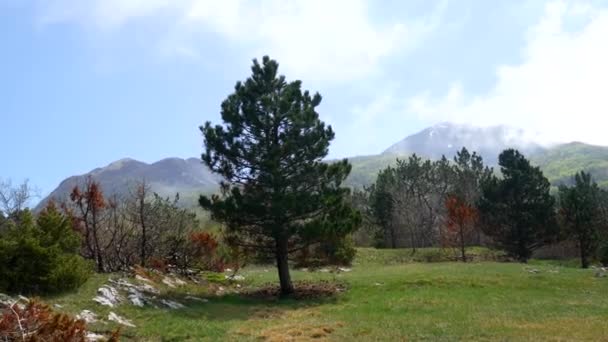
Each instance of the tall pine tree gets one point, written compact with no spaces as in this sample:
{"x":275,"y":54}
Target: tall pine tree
{"x":278,"y":196}
{"x":581,"y":214}
{"x":517,"y":211}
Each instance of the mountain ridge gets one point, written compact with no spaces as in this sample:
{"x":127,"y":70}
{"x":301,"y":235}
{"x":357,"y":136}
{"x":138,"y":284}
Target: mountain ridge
{"x":190,"y":177}
{"x":167,"y":177}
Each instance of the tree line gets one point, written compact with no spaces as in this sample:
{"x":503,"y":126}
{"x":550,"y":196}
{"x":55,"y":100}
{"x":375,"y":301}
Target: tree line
{"x":59,"y":246}
{"x":459,"y":203}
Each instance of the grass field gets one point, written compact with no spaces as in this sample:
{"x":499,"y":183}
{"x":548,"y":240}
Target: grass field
{"x":387,"y":298}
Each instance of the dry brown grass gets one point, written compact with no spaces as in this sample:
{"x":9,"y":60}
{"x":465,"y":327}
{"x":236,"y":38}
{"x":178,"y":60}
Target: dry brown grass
{"x":277,"y":325}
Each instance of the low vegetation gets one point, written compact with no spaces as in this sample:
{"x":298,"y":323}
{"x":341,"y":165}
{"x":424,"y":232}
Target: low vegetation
{"x":387,"y":295}
{"x":40,"y":255}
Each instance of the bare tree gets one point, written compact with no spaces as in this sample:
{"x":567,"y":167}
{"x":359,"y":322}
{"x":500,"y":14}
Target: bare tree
{"x":123,"y":250}
{"x":140,"y":213}
{"x":13,"y":199}
{"x":91,"y":215}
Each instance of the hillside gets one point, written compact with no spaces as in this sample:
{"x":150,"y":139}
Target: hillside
{"x":190,"y":177}
{"x":365,"y":168}
{"x":560,"y":162}
{"x":166,"y":177}
{"x":448,"y":138}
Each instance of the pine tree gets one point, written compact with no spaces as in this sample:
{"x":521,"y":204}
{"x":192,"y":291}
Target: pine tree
{"x":518,"y":211}
{"x":278,"y":196}
{"x":581,"y":214}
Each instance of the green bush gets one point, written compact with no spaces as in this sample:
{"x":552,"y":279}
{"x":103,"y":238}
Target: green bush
{"x":41,"y":256}
{"x":335,"y":251}
{"x":340,"y":251}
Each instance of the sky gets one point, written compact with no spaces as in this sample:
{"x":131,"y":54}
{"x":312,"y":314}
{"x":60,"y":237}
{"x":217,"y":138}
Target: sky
{"x":87,"y":82}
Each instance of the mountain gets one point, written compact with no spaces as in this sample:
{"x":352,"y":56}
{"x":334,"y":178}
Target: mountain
{"x":443,"y":139}
{"x":561,"y":162}
{"x":448,"y":138}
{"x":190,"y":177}
{"x":167,"y":177}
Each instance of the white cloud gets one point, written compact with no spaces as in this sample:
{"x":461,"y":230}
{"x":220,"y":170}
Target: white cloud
{"x":559,"y":91}
{"x":318,"y":39}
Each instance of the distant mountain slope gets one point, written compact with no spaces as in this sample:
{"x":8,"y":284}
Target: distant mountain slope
{"x":365,"y":168}
{"x":561,"y":162}
{"x":166,"y":177}
{"x":448,"y":138}
{"x":190,"y":177}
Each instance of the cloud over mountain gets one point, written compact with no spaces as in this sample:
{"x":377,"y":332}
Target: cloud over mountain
{"x":557,"y":92}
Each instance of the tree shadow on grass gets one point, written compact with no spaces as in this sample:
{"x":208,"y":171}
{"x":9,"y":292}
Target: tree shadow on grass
{"x":256,"y":302}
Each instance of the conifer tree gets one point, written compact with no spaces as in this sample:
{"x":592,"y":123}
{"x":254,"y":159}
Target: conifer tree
{"x":581,"y":214}
{"x":277,"y":195}
{"x":518,"y":211}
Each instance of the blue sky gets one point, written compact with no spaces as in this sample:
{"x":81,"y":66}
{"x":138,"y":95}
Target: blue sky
{"x":84,"y":83}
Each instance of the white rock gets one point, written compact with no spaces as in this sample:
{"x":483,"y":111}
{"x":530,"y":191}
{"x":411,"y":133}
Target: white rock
{"x":179,"y":281}
{"x":149,"y":288}
{"x":58,"y":306}
{"x":136,"y":298}
{"x":103,"y":301}
{"x":235,"y":277}
{"x":108,"y":296}
{"x":87,"y":315}
{"x":94,"y":337}
{"x":124,"y":283}
{"x":324,"y":270}
{"x":172,"y":304}
{"x":228,"y":270}
{"x":120,"y":320}
{"x":167,"y":281}
{"x":140,"y":278}
{"x":344,"y":269}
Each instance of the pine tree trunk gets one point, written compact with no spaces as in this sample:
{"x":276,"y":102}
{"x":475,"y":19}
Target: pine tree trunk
{"x":584,"y":259}
{"x":283,"y":267}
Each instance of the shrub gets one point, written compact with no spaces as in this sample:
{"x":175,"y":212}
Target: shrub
{"x":204,"y":248}
{"x":41,"y":256}
{"x":37,"y":322}
{"x":336,"y":251}
{"x":340,"y":251}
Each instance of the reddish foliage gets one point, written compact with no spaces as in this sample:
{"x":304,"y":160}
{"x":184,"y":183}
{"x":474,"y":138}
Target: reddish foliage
{"x":461,"y":219}
{"x":204,"y":248}
{"x":158,"y":265}
{"x":37,"y":322}
{"x":204,"y":244}
{"x":91,"y":196}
